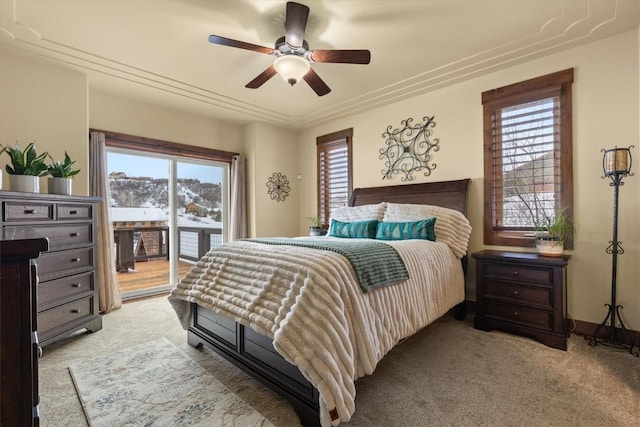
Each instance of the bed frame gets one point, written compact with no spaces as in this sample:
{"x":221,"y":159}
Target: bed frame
{"x":254,"y":353}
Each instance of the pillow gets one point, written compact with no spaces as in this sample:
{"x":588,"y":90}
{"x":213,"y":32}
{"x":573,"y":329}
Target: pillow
{"x":451,"y":226}
{"x":407,"y":230}
{"x":357,"y":229}
{"x":359,"y":213}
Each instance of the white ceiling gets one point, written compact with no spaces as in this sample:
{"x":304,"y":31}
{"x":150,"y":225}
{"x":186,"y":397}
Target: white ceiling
{"x":157,"y":50}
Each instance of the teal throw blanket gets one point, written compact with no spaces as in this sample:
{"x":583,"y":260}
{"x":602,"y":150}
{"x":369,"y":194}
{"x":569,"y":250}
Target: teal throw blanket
{"x":376,"y":264}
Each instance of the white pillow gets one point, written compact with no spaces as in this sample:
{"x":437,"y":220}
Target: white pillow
{"x":359,"y":213}
{"x":452,"y":227}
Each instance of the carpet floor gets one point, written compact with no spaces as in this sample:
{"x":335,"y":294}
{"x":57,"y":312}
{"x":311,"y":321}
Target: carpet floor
{"x":449,"y":374}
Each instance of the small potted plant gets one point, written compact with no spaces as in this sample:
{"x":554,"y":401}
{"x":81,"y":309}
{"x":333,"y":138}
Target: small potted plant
{"x":26,"y":168}
{"x":557,"y":232}
{"x":315,"y":229}
{"x":62,"y":174}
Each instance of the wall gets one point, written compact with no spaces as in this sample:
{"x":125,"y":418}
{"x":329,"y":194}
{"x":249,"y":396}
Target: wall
{"x":46,"y":104}
{"x":271,"y":149}
{"x":605,"y":114}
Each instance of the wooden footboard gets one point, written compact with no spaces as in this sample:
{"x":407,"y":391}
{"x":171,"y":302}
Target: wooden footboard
{"x":254,"y":353}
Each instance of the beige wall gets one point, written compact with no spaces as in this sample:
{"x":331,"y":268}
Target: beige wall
{"x":271,"y":149}
{"x":605,"y":114}
{"x":46,"y":104}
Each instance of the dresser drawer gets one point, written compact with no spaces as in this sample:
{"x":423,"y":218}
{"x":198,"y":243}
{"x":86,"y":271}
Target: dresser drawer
{"x":539,"y":297}
{"x":520,"y":273}
{"x":18,"y":211}
{"x":66,"y":287}
{"x":64,"y":262}
{"x":68,"y":313}
{"x":66,"y":236}
{"x":540,"y":319}
{"x":75,"y":211}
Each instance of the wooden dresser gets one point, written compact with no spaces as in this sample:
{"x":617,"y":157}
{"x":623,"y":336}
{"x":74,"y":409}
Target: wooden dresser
{"x":522,"y":293}
{"x":19,"y":349}
{"x":67,"y":297}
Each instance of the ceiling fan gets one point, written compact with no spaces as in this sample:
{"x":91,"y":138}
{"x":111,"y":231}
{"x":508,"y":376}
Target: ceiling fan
{"x":293,"y":55}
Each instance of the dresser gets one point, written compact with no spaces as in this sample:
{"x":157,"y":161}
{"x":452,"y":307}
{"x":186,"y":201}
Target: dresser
{"x":19,"y":349}
{"x":522,"y":293}
{"x":67,"y":297}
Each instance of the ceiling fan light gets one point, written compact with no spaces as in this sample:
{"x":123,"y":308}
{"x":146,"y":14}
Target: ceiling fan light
{"x":291,"y":68}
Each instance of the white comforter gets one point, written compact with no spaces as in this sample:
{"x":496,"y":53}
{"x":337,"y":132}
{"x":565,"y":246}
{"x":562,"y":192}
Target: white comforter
{"x":310,"y":303}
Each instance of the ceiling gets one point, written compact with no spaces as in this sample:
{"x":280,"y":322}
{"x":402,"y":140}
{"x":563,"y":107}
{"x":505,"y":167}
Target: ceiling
{"x":157,"y":51}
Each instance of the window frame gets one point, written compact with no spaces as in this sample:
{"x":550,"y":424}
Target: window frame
{"x":326,"y":143}
{"x":508,"y":96}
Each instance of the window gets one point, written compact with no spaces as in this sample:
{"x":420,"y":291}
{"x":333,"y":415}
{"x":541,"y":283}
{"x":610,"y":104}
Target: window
{"x":334,"y":172}
{"x":528,"y":172}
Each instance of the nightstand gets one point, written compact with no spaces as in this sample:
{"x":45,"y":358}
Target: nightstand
{"x":522,"y":293}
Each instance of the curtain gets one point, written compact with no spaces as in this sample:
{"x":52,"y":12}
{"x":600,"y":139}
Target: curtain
{"x":106,"y":278}
{"x":238,"y":198}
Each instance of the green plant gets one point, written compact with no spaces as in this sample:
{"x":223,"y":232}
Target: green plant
{"x":561,"y":227}
{"x":315,"y":221}
{"x":59,"y":169}
{"x":26,"y":162}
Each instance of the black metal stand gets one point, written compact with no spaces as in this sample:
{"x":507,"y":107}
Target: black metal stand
{"x":613,"y":334}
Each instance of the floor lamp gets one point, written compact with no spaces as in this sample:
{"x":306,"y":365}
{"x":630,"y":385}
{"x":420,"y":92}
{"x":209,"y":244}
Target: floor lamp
{"x":616,"y":164}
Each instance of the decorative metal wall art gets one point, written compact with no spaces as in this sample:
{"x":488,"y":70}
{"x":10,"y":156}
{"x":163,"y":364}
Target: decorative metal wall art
{"x":278,"y":187}
{"x":409,"y":149}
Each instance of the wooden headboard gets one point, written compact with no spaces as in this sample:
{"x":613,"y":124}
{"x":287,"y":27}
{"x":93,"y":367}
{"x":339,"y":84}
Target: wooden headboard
{"x":448,"y":194}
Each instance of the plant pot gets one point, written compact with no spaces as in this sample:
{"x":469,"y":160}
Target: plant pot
{"x":317,"y":231}
{"x":59,"y":185}
{"x":24,"y":183}
{"x":549,"y":246}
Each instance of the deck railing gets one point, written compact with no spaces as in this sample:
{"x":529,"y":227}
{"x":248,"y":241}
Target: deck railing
{"x":145,"y":243}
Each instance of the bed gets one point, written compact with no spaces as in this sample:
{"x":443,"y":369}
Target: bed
{"x":296,"y":317}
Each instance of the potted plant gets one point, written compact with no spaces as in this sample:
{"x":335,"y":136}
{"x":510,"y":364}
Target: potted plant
{"x":62,"y":174}
{"x":555,"y":234}
{"x":315,"y":229}
{"x":26,"y":168}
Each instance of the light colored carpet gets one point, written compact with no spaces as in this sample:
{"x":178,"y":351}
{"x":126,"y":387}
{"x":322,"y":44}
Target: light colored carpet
{"x":449,"y":374}
{"x":156,"y":384}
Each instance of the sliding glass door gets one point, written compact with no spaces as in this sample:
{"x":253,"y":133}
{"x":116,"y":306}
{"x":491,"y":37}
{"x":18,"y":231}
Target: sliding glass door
{"x":166,"y":212}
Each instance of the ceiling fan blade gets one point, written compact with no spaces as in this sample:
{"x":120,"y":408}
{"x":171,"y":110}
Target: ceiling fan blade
{"x":316,"y":83}
{"x":341,"y":56}
{"x":295,"y":24}
{"x":262,"y":78}
{"x":242,"y":45}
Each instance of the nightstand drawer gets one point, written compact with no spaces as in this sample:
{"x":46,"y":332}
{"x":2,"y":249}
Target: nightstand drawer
{"x":526,"y":295}
{"x":17,"y":211}
{"x":539,"y":319}
{"x":520,"y":273}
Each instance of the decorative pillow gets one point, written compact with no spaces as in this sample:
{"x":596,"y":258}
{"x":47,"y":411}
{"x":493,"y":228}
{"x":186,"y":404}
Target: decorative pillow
{"x":359,"y":213}
{"x":357,"y":229}
{"x":407,"y":230}
{"x":451,"y":227}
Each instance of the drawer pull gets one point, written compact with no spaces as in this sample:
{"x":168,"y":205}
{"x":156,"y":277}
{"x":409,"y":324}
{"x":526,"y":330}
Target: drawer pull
{"x":39,"y":352}
{"x":77,"y":259}
{"x":74,"y":212}
{"x":515,"y":313}
{"x":75,"y":311}
{"x":76,"y":285}
{"x":29,"y":211}
{"x":516,"y":293}
{"x":74,"y":234}
{"x":515,"y":272}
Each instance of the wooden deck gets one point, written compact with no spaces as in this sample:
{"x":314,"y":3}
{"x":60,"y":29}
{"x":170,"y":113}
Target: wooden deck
{"x":149,"y":274}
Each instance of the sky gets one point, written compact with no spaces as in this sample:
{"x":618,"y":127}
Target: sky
{"x":159,"y":168}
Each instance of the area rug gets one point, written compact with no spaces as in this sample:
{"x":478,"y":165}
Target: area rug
{"x":155,"y":384}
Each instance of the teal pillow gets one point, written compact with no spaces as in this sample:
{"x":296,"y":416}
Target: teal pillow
{"x":357,"y":229}
{"x":423,"y":229}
